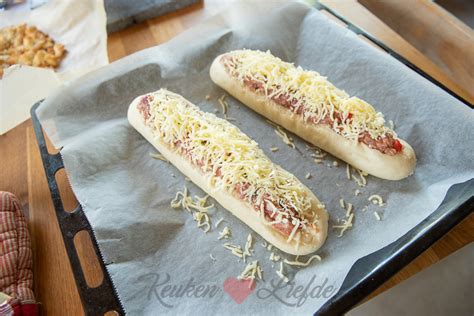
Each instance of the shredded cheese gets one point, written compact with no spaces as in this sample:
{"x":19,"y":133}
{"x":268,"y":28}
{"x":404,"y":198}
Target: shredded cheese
{"x":348,"y":171}
{"x":223,"y":104}
{"x":357,"y":192}
{"x":308,"y":176}
{"x":318,"y":98}
{"x":335,"y":163}
{"x":159,"y":157}
{"x":197,"y":207}
{"x":346,"y":224}
{"x":248,"y":247}
{"x":251,"y":272}
{"x":225,"y":233}
{"x":286,"y":139}
{"x":376,"y":199}
{"x":231,"y":161}
{"x":281,"y":273}
{"x":362,"y":176}
{"x":341,"y":203}
{"x":218,"y":222}
{"x":377,"y":216}
{"x":212,"y":257}
{"x":349,"y":209}
{"x":274,"y":257}
{"x":208,"y":97}
{"x":236,"y":250}
{"x":274,"y":149}
{"x":318,"y":161}
{"x":302,"y":264}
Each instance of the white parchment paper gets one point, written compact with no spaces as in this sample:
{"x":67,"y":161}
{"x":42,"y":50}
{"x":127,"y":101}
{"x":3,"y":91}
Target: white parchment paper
{"x":158,"y":258}
{"x":78,"y":25}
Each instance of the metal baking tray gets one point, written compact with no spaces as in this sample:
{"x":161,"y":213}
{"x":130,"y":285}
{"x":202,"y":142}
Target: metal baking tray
{"x":365,"y":276}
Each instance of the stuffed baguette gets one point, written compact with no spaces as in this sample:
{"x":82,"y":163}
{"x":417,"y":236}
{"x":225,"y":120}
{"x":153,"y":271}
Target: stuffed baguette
{"x":230,"y":167}
{"x":308,"y":105}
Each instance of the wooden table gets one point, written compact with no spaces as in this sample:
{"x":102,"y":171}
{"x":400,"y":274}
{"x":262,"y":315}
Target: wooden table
{"x":22,"y":173}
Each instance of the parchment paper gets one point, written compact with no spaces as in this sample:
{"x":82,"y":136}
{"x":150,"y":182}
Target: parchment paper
{"x":126,"y":194}
{"x":78,"y":25}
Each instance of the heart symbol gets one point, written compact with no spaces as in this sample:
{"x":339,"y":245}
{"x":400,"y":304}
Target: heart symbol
{"x":239,"y":290}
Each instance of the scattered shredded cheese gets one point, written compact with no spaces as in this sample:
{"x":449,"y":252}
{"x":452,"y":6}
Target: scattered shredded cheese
{"x":302,"y":264}
{"x":212,"y":257}
{"x":376,"y":199}
{"x":159,"y":157}
{"x":357,"y":192}
{"x":317,"y":161}
{"x":377,"y":216}
{"x":223,"y":104}
{"x":274,"y":257}
{"x":274,"y":149}
{"x":348,"y":171}
{"x":225,"y":233}
{"x":196,"y":206}
{"x":318,"y":155}
{"x":208,"y":97}
{"x":286,"y":139}
{"x":358,"y":181}
{"x":346,"y":224}
{"x":349,"y":209}
{"x":308,"y":176}
{"x":341,"y":203}
{"x":362,"y":176}
{"x":236,"y":250}
{"x":248,"y":247}
{"x":251,"y":272}
{"x":218,"y":222}
{"x":335,"y":163}
{"x":281,"y":273}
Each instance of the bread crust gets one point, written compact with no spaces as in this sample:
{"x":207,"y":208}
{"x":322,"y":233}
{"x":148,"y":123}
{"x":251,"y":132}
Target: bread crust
{"x":357,"y":154}
{"x":238,"y":207}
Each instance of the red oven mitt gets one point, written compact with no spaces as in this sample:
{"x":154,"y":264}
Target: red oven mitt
{"x":16,"y":274}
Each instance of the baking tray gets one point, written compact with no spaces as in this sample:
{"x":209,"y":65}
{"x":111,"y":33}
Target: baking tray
{"x":365,"y":276}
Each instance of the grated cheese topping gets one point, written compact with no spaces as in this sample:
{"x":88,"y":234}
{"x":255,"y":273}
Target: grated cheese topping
{"x":346,"y":224}
{"x":314,"y":94}
{"x":225,"y":233}
{"x":159,"y":157}
{"x":230,"y":159}
{"x":302,"y":264}
{"x":284,"y":137}
{"x":274,"y":257}
{"x":197,"y":207}
{"x":377,"y":216}
{"x":248,"y":250}
{"x":281,"y":273}
{"x":236,"y":250}
{"x":376,"y":199}
{"x":251,"y":272}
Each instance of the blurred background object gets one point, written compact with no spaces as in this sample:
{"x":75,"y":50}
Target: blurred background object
{"x":123,"y":13}
{"x":435,"y":32}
